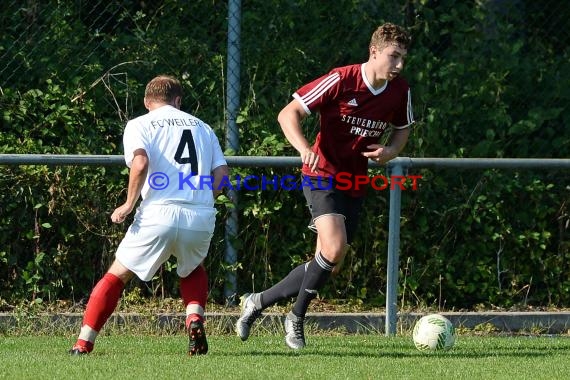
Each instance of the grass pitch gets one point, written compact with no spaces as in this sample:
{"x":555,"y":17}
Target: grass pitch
{"x":372,"y":356}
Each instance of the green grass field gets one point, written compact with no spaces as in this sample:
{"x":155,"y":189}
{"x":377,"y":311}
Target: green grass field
{"x":371,"y":356}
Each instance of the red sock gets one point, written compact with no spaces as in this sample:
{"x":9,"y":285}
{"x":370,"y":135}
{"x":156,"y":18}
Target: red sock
{"x":103,"y":301}
{"x":194,"y":291}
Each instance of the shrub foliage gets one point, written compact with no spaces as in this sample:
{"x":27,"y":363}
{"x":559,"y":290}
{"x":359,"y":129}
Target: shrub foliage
{"x":468,"y":237}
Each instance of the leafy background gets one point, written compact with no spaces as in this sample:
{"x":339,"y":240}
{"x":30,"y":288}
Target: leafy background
{"x":489,"y":79}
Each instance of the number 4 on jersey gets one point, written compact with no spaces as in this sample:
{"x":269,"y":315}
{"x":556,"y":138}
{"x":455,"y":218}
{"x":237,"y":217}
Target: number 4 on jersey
{"x":187,"y":141}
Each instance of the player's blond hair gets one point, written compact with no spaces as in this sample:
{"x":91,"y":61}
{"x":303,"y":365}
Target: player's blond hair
{"x":163,"y":89}
{"x":387,"y":34}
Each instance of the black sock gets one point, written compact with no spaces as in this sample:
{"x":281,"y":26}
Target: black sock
{"x":286,"y":288}
{"x":318,"y":272}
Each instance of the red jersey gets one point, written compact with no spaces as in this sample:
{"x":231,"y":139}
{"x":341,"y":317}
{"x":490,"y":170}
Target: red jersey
{"x":352,"y":115}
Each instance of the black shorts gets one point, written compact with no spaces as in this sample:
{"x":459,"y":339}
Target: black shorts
{"x":323,"y":198}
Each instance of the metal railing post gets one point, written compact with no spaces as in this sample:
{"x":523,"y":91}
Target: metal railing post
{"x":232,"y":134}
{"x":393,"y":251}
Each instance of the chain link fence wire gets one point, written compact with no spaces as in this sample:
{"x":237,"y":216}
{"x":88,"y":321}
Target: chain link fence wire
{"x":29,"y":34}
{"x":112,"y":45}
{"x":35,"y":40}
{"x":545,"y":25}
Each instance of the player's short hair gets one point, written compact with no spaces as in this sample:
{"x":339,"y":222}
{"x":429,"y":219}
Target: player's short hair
{"x":163,"y":89}
{"x":389,"y":33}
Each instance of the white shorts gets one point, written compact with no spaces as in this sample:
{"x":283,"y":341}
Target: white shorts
{"x":161,"y":231}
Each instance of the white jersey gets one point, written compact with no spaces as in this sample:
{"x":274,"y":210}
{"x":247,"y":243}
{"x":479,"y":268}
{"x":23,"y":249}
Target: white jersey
{"x":182,"y":150}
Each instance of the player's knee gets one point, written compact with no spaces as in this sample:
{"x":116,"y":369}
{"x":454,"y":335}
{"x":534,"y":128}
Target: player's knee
{"x":333,"y":251}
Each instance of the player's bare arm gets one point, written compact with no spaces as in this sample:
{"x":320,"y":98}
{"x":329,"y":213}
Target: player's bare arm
{"x":290,"y":119}
{"x":137,"y":177}
{"x":219,"y":174}
{"x":384,"y":153}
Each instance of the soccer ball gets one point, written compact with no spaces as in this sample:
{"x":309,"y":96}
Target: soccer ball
{"x":433,"y":332}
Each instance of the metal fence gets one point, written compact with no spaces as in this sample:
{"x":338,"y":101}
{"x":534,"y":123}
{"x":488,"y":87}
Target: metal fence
{"x":396,"y":167}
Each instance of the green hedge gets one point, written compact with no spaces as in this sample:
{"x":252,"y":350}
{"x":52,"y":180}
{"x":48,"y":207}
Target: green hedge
{"x":486,"y":82}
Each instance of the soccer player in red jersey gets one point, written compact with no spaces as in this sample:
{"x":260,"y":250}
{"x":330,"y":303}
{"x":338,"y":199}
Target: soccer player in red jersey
{"x":356,"y":105}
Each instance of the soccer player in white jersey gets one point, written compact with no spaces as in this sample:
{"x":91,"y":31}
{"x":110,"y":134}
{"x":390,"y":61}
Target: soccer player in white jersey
{"x":356,"y":104}
{"x":169,"y":153}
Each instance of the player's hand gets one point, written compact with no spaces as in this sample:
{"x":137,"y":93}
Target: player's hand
{"x":380,"y":153}
{"x":310,"y":158}
{"x":120,"y":213}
